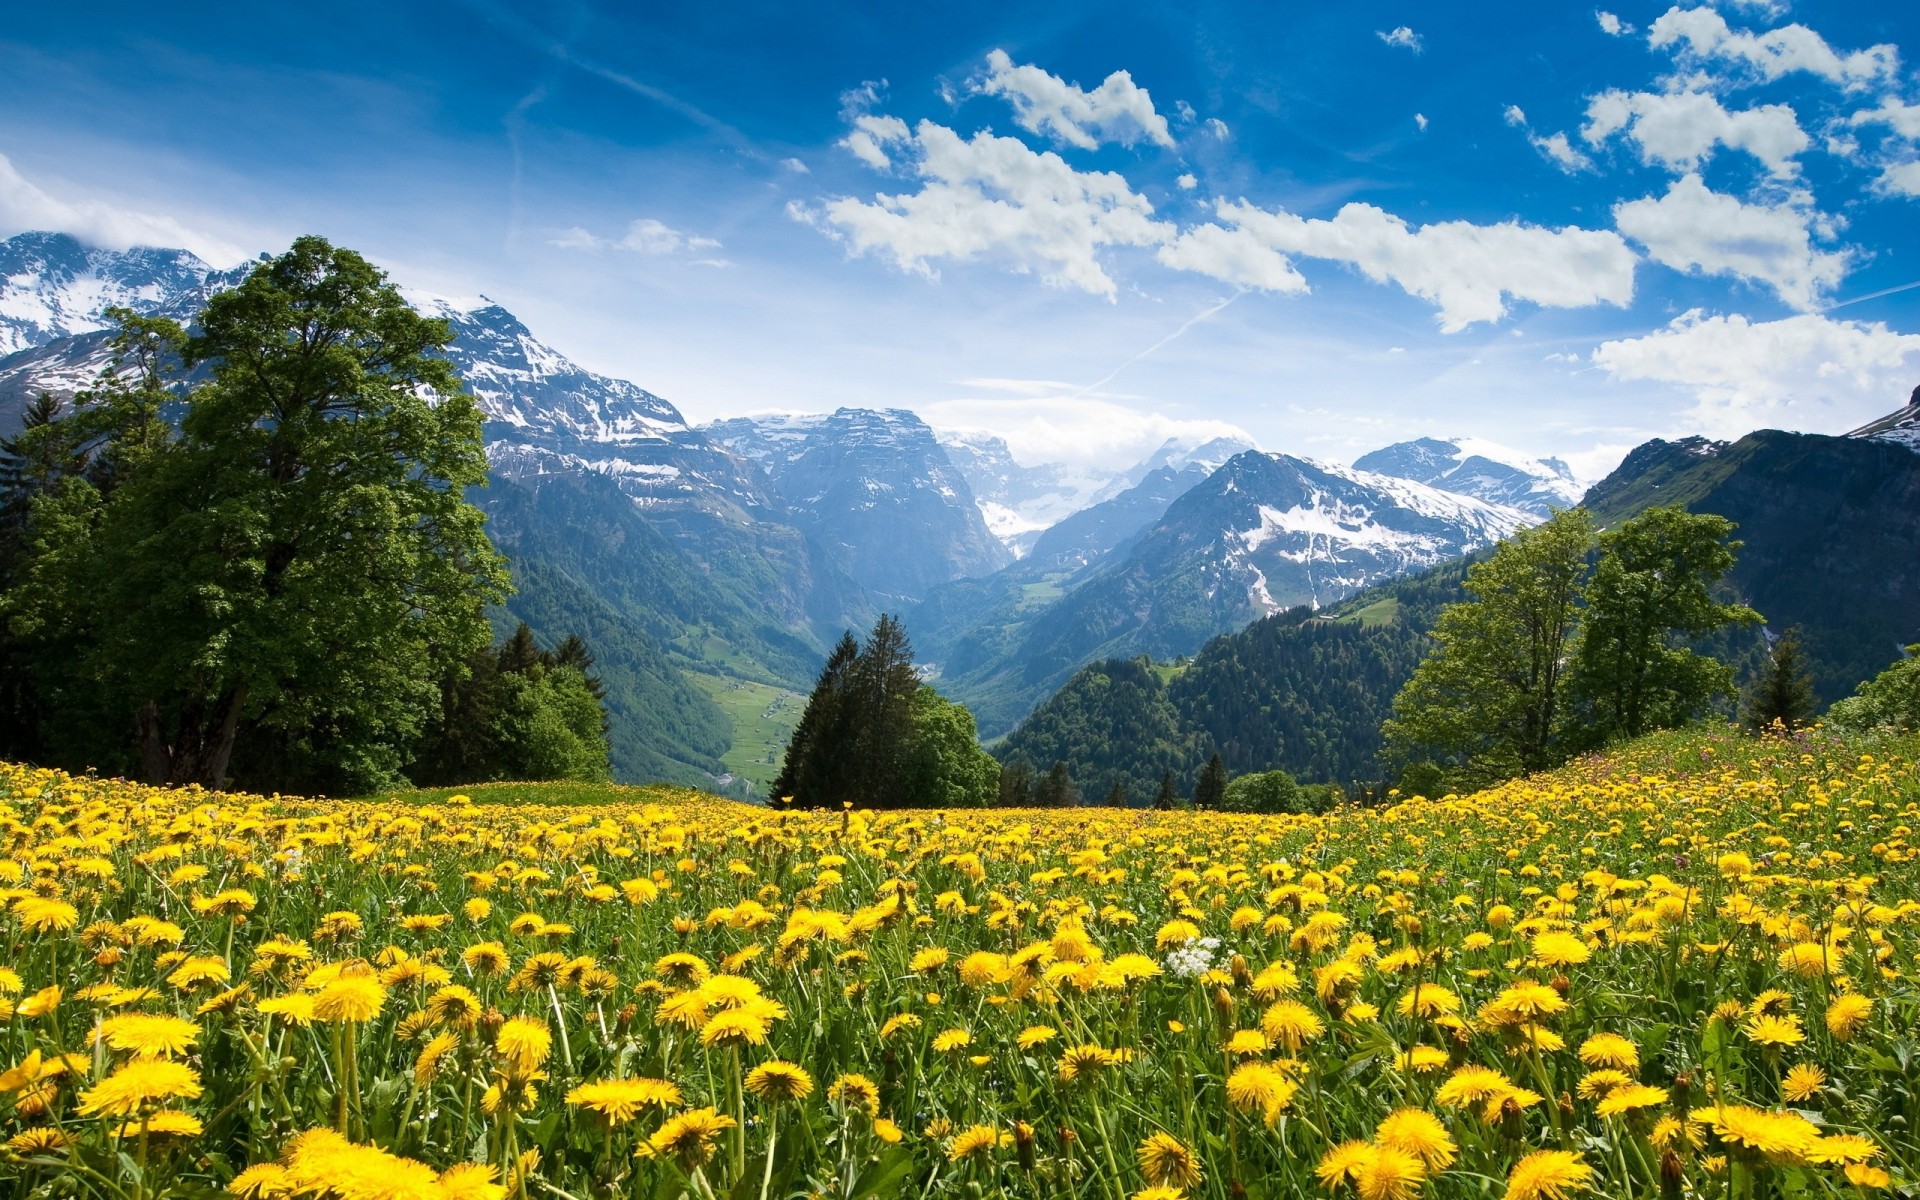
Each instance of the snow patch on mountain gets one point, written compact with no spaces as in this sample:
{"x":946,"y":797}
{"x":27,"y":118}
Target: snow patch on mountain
{"x":1480,"y":468}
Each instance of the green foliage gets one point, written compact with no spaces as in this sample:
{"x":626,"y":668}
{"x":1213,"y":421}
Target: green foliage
{"x":1113,"y":724}
{"x":279,"y":586}
{"x":1057,"y":789}
{"x":1487,"y":703}
{"x":945,"y":766}
{"x":874,"y":736}
{"x":1016,"y":784}
{"x":518,"y":712}
{"x":1210,"y":791}
{"x":1650,"y":594}
{"x":1264,"y":792}
{"x":1783,"y":693}
{"x":1888,"y":701}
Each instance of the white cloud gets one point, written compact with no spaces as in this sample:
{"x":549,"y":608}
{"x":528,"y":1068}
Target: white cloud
{"x":1184,"y":111}
{"x":1896,"y":114}
{"x":25,"y":206}
{"x":1187,"y":182}
{"x":870,"y":137}
{"x":1805,"y":372}
{"x":1611,"y":25}
{"x":995,"y":196}
{"x":1076,"y":430}
{"x":644,"y":236}
{"x":1469,"y":272}
{"x":1900,"y":179}
{"x":1560,"y":152}
{"x":1420,"y":119}
{"x":1692,"y":228}
{"x":1554,"y":147}
{"x":1679,"y":130}
{"x":1701,"y":35}
{"x":1218,"y":129}
{"x":1119,"y":110}
{"x":796,"y":166}
{"x":1402,"y":36}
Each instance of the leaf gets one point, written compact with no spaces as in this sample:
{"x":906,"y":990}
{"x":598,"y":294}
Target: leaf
{"x":890,"y":1177}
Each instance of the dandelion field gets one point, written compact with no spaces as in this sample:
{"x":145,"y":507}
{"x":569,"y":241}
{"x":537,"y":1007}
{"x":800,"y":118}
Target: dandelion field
{"x":1685,"y":969}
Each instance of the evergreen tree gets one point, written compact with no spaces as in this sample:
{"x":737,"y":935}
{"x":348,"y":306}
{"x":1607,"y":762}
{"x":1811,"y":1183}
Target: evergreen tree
{"x":516,"y":712}
{"x":1651,"y":592}
{"x":1211,"y":791}
{"x":1166,"y":798}
{"x":810,"y":773}
{"x":1784,"y":691}
{"x":883,"y":688}
{"x":1117,"y":795}
{"x":1016,"y":784}
{"x":31,"y":462}
{"x":1056,"y":789}
{"x":1488,"y":703}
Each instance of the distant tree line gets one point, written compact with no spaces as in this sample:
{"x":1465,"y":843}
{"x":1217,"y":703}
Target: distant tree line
{"x":245,"y":554}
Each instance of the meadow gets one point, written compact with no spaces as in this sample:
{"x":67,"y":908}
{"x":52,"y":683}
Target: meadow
{"x":1682,"y":969}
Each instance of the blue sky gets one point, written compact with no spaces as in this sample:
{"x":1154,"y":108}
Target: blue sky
{"x":1330,"y":226}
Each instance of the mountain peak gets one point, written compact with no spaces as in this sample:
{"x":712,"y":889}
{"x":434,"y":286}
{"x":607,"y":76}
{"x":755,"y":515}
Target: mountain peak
{"x":1901,"y":427}
{"x":1485,"y":470}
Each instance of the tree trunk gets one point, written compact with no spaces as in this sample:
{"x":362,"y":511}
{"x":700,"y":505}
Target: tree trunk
{"x":202,"y":747}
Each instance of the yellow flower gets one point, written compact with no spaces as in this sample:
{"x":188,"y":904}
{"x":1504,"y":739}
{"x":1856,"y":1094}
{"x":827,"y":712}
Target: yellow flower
{"x":1291,"y":1024}
{"x":168,"y":1122}
{"x":1846,"y":1014}
{"x":1632,"y":1098}
{"x":1036,"y":1035}
{"x":1771,"y":1031}
{"x":979,"y":1141}
{"x":1802,"y":1083}
{"x":1390,"y":1174}
{"x":620,"y":1100}
{"x":350,"y":999}
{"x":856,"y":1091}
{"x":1556,"y":949}
{"x":688,"y":1138}
{"x":138,"y":1084}
{"x":149,"y":1035}
{"x":950,"y":1040}
{"x":40,"y":914}
{"x":1548,"y":1175}
{"x":525,"y":1042}
{"x":776,"y":1080}
{"x":734,"y":1027}
{"x":1610,"y":1050}
{"x":1343,"y":1164}
{"x":1165,"y":1159}
{"x":1418,"y":1132}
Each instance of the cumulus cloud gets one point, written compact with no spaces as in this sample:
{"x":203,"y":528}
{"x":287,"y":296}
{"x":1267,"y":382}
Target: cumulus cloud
{"x":644,"y":236}
{"x":26,"y":206}
{"x":989,"y":196}
{"x":1420,"y":119}
{"x":1805,"y":372}
{"x":1896,"y":114}
{"x":1694,"y":229}
{"x":1218,"y":129}
{"x":1900,"y":179}
{"x":1187,"y":182}
{"x":1402,"y":37}
{"x":1611,"y":25}
{"x":1119,"y":110}
{"x":1702,"y":37}
{"x":1554,"y":147}
{"x":871,"y":134}
{"x":1077,"y":430}
{"x":1469,"y":272}
{"x":1679,"y":130}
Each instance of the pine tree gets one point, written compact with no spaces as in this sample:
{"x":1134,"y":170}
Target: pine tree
{"x":1016,"y":784}
{"x":1117,"y":795}
{"x":1211,"y":791}
{"x":1056,"y":789}
{"x":809,"y":775}
{"x":1784,"y":691}
{"x":1167,"y":798}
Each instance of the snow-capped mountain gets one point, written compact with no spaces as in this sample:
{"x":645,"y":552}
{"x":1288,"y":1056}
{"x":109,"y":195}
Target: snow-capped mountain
{"x":1481,"y":469}
{"x":1901,"y":428}
{"x":52,"y":286}
{"x":1263,"y":533}
{"x":1020,"y":502}
{"x":876,"y":488}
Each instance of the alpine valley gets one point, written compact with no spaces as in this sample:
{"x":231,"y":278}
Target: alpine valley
{"x":1277,"y":600}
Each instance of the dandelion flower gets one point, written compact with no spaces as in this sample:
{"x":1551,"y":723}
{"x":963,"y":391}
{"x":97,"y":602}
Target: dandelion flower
{"x":776,"y":1080}
{"x":138,"y":1084}
{"x":350,"y":999}
{"x":689,"y":1137}
{"x":620,"y":1100}
{"x":1548,"y":1175}
{"x":1846,"y":1014}
{"x":979,"y":1141}
{"x":1165,"y":1159}
{"x":1802,"y":1083}
{"x":1610,"y":1050}
{"x":1418,"y":1132}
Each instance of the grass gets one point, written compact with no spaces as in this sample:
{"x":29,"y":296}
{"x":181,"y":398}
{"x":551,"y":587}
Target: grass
{"x":1380,"y":612}
{"x":563,"y":793}
{"x":763,"y":718}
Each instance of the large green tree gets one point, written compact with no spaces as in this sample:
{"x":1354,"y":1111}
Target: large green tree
{"x":1652,"y":593}
{"x":945,"y":766}
{"x":283,"y":582}
{"x":1488,"y":702}
{"x":1782,"y":694}
{"x":1889,"y":701}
